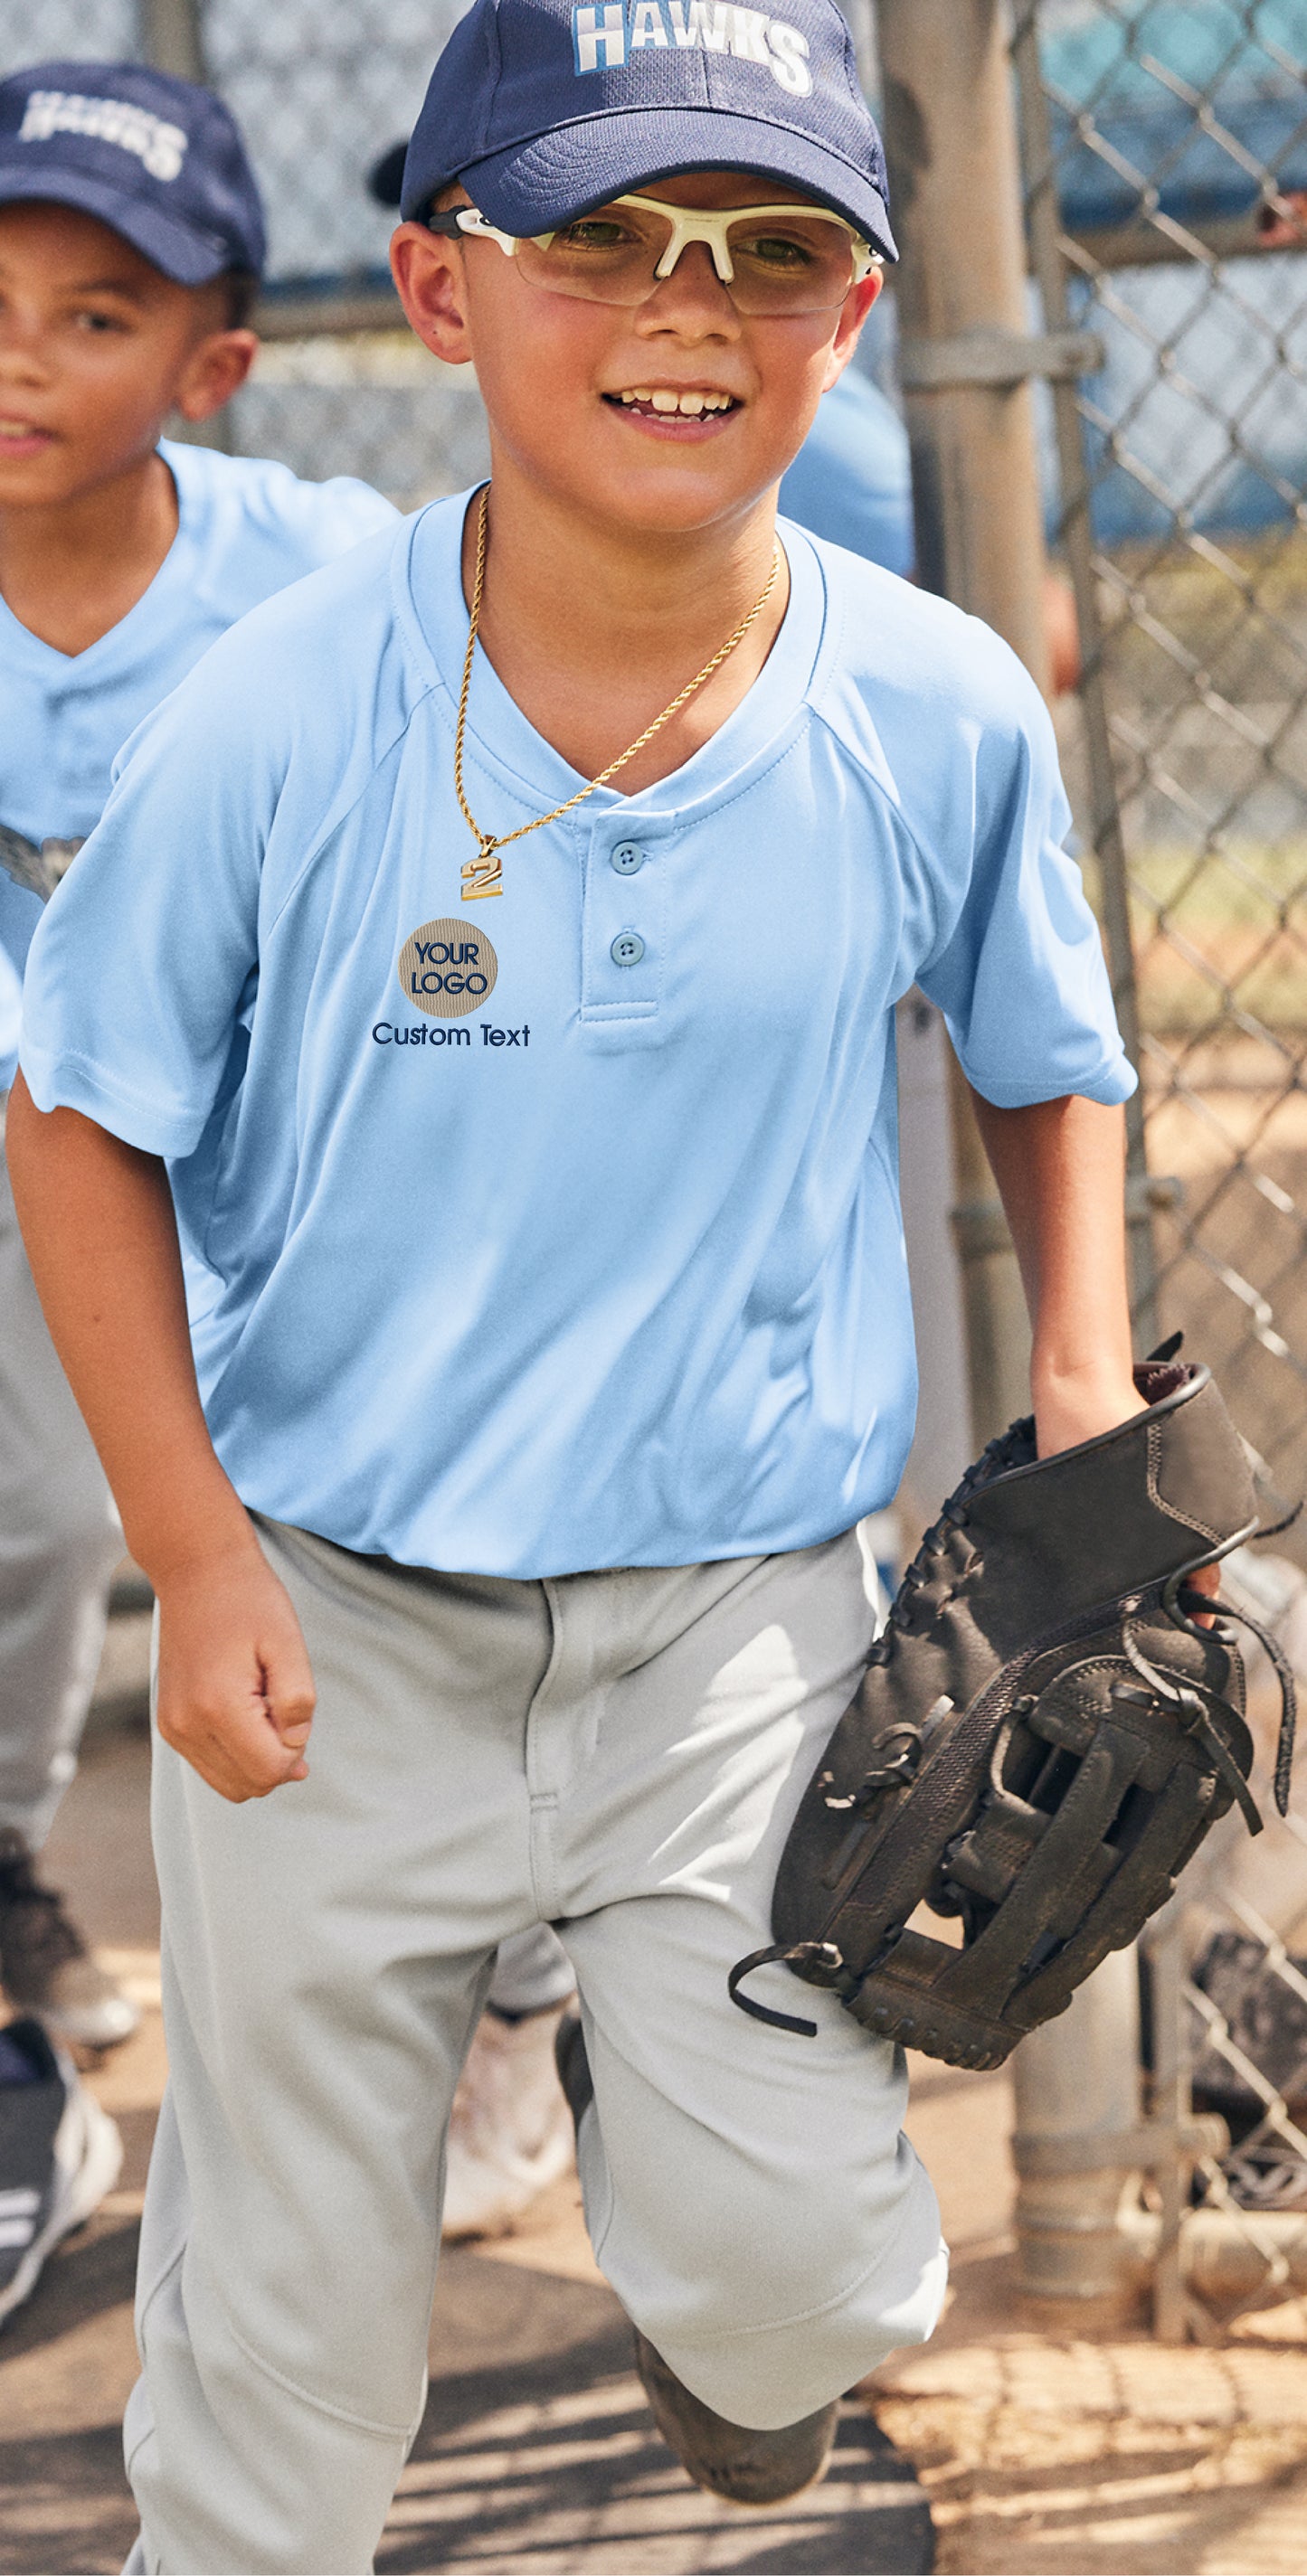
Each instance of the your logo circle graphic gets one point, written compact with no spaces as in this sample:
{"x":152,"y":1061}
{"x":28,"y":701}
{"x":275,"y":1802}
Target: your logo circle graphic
{"x":447,"y":968}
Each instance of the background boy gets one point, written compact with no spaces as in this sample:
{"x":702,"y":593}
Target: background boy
{"x":131,"y":244}
{"x":563,"y":1330}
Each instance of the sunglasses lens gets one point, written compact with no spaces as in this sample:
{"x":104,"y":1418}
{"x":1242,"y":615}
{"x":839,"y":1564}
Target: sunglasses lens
{"x":781,"y":264}
{"x":790,"y":264}
{"x":607,"y":258}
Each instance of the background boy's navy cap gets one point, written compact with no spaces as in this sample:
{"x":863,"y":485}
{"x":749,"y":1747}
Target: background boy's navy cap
{"x":543,"y":108}
{"x":158,"y":160}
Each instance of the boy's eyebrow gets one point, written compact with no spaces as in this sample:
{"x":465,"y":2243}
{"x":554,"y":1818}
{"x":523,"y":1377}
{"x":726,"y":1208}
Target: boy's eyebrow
{"x":98,"y":286}
{"x":107,"y":286}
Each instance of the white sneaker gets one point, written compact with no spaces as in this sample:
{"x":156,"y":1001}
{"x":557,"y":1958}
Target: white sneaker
{"x":59,"y":2155}
{"x":511,"y":2131}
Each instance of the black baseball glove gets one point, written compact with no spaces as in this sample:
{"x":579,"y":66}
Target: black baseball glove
{"x":1043,"y":1736}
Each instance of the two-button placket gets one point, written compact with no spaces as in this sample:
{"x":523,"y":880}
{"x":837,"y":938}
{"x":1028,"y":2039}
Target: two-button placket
{"x":623,"y":931}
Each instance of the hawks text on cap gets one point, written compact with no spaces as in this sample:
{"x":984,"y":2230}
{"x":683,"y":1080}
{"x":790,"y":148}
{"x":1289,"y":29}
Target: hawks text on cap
{"x":606,"y":34}
{"x":162,"y":147}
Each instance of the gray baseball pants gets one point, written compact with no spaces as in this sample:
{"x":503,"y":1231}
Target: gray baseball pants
{"x":618,"y":1753}
{"x":532,"y":1972}
{"x":59,"y":1543}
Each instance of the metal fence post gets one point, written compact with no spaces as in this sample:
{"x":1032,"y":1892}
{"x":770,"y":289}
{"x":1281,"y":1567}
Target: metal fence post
{"x":170,"y":37}
{"x":967,"y":357}
{"x":951,"y":142}
{"x":1076,"y":535}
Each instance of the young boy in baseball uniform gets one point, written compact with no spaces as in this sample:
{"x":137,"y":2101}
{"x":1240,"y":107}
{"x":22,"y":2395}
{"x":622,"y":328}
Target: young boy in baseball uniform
{"x":525,"y":1080}
{"x":131,"y":242}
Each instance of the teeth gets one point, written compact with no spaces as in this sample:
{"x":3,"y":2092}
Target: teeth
{"x":689,"y":405}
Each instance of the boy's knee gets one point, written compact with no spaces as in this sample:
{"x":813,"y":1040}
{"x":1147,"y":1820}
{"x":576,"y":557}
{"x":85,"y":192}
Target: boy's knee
{"x":771,"y":2299}
{"x":829,"y":2326}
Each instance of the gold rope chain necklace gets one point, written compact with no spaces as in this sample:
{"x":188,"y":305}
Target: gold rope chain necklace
{"x":483,"y":875}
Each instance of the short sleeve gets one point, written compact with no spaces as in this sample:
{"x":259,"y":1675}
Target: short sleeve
{"x":1019,"y":972}
{"x":11,"y":1002}
{"x":137,"y":974}
{"x":341,"y":513}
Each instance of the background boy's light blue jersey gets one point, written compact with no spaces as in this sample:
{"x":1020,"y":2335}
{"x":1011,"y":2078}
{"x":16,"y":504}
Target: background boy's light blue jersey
{"x":582,"y":1249}
{"x":852,"y":478}
{"x":245,"y":529}
{"x":11,"y":1010}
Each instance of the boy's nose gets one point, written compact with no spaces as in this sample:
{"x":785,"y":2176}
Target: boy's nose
{"x":693,"y":298}
{"x":20,"y":348}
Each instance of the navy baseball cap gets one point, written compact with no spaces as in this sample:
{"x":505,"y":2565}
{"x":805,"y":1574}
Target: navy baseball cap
{"x":159,"y":160}
{"x":544,"y":108}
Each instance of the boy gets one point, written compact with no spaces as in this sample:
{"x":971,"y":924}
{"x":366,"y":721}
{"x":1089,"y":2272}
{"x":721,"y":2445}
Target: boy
{"x":131,"y":242}
{"x":560,"y":1329}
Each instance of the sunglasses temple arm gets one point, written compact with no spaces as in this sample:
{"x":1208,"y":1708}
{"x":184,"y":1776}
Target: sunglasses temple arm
{"x":458,"y":223}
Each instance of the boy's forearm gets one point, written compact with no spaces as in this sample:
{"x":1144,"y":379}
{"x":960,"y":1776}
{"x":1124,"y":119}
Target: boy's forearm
{"x":97,"y":1219}
{"x":1060,"y":1168}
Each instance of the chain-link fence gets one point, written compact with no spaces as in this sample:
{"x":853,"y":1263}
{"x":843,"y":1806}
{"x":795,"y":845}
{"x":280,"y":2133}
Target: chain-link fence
{"x":1166,"y":171}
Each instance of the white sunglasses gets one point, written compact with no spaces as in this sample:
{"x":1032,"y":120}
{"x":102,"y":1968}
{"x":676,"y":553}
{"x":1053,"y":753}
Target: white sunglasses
{"x":808,"y":262}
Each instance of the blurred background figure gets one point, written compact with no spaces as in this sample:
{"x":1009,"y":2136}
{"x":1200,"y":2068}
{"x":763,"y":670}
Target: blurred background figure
{"x":131,"y":246}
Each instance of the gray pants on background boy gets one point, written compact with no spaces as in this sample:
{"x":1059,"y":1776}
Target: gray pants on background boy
{"x":59,"y":1542}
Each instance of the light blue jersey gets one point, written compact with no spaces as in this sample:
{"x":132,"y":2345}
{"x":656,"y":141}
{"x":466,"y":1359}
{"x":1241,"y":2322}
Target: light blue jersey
{"x":562,"y":1231}
{"x":245,"y":529}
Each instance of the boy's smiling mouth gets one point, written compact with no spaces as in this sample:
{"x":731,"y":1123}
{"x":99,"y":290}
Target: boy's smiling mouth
{"x":679,"y":406}
{"x":15,"y":433}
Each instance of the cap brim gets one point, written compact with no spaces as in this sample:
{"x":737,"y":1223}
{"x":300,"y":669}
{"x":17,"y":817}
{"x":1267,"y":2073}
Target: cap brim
{"x":547,"y":180}
{"x":188,"y":257}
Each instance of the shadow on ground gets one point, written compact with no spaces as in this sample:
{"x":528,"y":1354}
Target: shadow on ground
{"x":547,"y":2463}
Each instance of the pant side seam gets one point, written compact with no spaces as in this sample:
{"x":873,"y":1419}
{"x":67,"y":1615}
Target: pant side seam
{"x":159,"y":2284}
{"x":322,"y":2405}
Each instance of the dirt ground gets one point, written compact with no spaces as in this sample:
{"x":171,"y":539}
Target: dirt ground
{"x":1046,"y":2449}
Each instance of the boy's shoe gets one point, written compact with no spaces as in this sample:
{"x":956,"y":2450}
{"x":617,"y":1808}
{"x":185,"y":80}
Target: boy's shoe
{"x":510,"y":2133}
{"x":731,"y":2461}
{"x":573,"y":2065}
{"x":45,"y":1966}
{"x":746,"y":2467}
{"x":59,"y":2155}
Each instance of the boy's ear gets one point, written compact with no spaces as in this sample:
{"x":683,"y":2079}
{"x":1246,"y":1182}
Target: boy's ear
{"x":855,"y":312}
{"x":431,"y":283}
{"x":216,"y":369}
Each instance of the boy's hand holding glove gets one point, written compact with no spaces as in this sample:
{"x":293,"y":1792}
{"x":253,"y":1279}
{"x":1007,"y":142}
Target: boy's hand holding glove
{"x":1043,"y":1736}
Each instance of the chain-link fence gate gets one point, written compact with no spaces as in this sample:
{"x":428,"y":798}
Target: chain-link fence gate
{"x":1165,"y":152}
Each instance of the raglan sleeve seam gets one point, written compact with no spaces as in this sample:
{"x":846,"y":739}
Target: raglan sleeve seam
{"x":337,"y":821}
{"x":899,"y":821}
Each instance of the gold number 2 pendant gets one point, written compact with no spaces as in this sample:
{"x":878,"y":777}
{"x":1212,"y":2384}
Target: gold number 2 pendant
{"x":483,"y":875}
